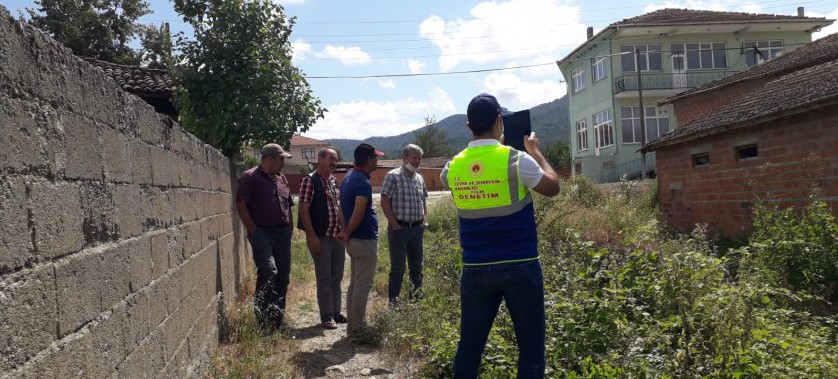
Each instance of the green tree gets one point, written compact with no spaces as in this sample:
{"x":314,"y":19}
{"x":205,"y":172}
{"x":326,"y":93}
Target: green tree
{"x":100,"y":29}
{"x":432,"y":139}
{"x":557,"y":154}
{"x":238,"y":85}
{"x":157,"y":47}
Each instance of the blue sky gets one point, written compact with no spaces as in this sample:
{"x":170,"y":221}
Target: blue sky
{"x":516,"y":42}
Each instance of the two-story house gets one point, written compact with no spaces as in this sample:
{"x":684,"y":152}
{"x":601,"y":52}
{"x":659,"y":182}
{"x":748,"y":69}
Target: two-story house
{"x":304,"y":151}
{"x":659,"y":54}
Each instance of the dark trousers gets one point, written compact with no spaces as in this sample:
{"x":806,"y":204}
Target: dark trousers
{"x":272,"y":256}
{"x":482,"y":288}
{"x":405,"y":245}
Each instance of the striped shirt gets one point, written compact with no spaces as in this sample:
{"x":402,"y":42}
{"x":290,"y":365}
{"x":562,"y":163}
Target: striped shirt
{"x":407,"y":194}
{"x":330,"y":187}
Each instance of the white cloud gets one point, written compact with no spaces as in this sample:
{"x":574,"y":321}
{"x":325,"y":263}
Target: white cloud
{"x":831,"y":29}
{"x":360,"y":119}
{"x":387,"y":83}
{"x":516,"y":93}
{"x":349,"y":56}
{"x":517,"y":28}
{"x":300,"y":49}
{"x":416,"y":66}
{"x":286,"y":2}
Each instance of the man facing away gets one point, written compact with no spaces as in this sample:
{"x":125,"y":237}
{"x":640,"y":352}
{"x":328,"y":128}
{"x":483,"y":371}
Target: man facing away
{"x":263,"y":202}
{"x":404,"y":203}
{"x":361,"y":235}
{"x":491,"y":186}
{"x":322,"y":221}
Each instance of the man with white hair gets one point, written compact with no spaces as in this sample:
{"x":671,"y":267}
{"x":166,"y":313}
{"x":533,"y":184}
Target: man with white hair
{"x":404,"y":203}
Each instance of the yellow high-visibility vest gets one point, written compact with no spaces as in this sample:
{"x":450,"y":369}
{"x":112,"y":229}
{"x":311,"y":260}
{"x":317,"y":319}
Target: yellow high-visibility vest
{"x":484,"y":182}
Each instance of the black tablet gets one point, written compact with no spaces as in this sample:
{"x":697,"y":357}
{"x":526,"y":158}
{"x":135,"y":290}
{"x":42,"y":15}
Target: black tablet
{"x":516,"y":125}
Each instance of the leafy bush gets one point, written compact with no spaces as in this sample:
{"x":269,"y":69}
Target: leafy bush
{"x":637,"y":303}
{"x":799,"y":248}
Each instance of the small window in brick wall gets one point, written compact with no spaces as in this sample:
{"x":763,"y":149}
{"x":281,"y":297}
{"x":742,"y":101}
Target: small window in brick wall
{"x":746,"y":152}
{"x":701,"y":159}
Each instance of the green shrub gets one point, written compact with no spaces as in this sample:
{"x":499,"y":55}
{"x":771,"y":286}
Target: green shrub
{"x":799,"y":247}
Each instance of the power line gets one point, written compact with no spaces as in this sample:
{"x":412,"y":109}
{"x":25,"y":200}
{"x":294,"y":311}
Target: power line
{"x":431,"y":73}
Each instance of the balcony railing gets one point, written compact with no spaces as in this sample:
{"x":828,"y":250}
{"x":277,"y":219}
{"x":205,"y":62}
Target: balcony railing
{"x":668,"y":80}
{"x":629,"y":170}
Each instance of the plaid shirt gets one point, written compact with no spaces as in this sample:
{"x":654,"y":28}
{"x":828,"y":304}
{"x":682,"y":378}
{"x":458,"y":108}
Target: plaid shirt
{"x":330,"y":187}
{"x":407,"y":194}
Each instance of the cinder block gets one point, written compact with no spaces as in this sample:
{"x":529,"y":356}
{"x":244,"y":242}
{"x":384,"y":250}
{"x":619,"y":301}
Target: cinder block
{"x":141,"y":162}
{"x":143,"y":362}
{"x":78,"y":291}
{"x":159,"y":254}
{"x":114,"y":275}
{"x":57,"y":217}
{"x":140,"y":262}
{"x":150,"y":127}
{"x":137,"y":308}
{"x":158,"y":304}
{"x":116,"y":154}
{"x":16,"y":240}
{"x":27,"y":315}
{"x":176,"y":245}
{"x":73,"y":356}
{"x":83,"y":147}
{"x":99,"y":225}
{"x":21,"y":142}
{"x":132,"y":207}
{"x":108,"y":343}
{"x":163,"y":213}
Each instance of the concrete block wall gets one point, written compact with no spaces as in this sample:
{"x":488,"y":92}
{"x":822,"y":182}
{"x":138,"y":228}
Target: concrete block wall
{"x":117,"y":229}
{"x":796,"y":154}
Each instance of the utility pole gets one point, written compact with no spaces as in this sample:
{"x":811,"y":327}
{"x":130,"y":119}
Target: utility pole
{"x":642,"y":115}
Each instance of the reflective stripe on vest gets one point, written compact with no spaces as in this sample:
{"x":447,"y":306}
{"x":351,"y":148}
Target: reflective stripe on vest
{"x":484,"y":182}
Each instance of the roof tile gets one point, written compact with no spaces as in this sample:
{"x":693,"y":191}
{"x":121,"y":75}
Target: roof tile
{"x":815,"y":86}
{"x":815,"y":52}
{"x":672,"y":16}
{"x":143,"y":82}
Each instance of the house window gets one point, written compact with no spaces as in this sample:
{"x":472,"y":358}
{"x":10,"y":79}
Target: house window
{"x":649,"y":59}
{"x":656,"y":124}
{"x":581,"y":135}
{"x":703,"y":55}
{"x":604,"y":129}
{"x":578,"y":75}
{"x":308,"y":153}
{"x":701,"y":159}
{"x":758,"y":52}
{"x":599,"y":67}
{"x":746,"y":152}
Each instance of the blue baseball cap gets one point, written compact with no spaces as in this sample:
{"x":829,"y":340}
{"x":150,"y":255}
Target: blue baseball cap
{"x":484,"y":110}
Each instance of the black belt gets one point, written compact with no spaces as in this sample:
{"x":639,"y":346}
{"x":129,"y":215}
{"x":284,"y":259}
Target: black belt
{"x":409,"y":224}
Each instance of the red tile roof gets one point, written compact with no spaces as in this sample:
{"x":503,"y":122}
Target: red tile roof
{"x":795,"y":92}
{"x":143,"y":82}
{"x":302,"y":141}
{"x":816,"y":52}
{"x":671,"y":16}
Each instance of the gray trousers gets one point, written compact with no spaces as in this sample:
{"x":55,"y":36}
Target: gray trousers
{"x":363,"y":255}
{"x":328,"y":272}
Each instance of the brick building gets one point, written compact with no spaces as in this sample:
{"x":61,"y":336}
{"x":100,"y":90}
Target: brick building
{"x":767,"y":133}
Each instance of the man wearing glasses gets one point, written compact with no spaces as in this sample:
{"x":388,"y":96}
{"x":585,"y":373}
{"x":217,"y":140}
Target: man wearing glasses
{"x":263,"y":202}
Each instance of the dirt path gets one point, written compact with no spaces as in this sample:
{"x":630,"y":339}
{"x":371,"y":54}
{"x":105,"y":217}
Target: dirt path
{"x":322,"y":353}
{"x":328,"y":353}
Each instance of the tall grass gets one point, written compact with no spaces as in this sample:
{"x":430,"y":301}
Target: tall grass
{"x":625,"y":298}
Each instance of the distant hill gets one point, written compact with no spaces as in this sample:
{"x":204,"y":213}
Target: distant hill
{"x":549,"y":122}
